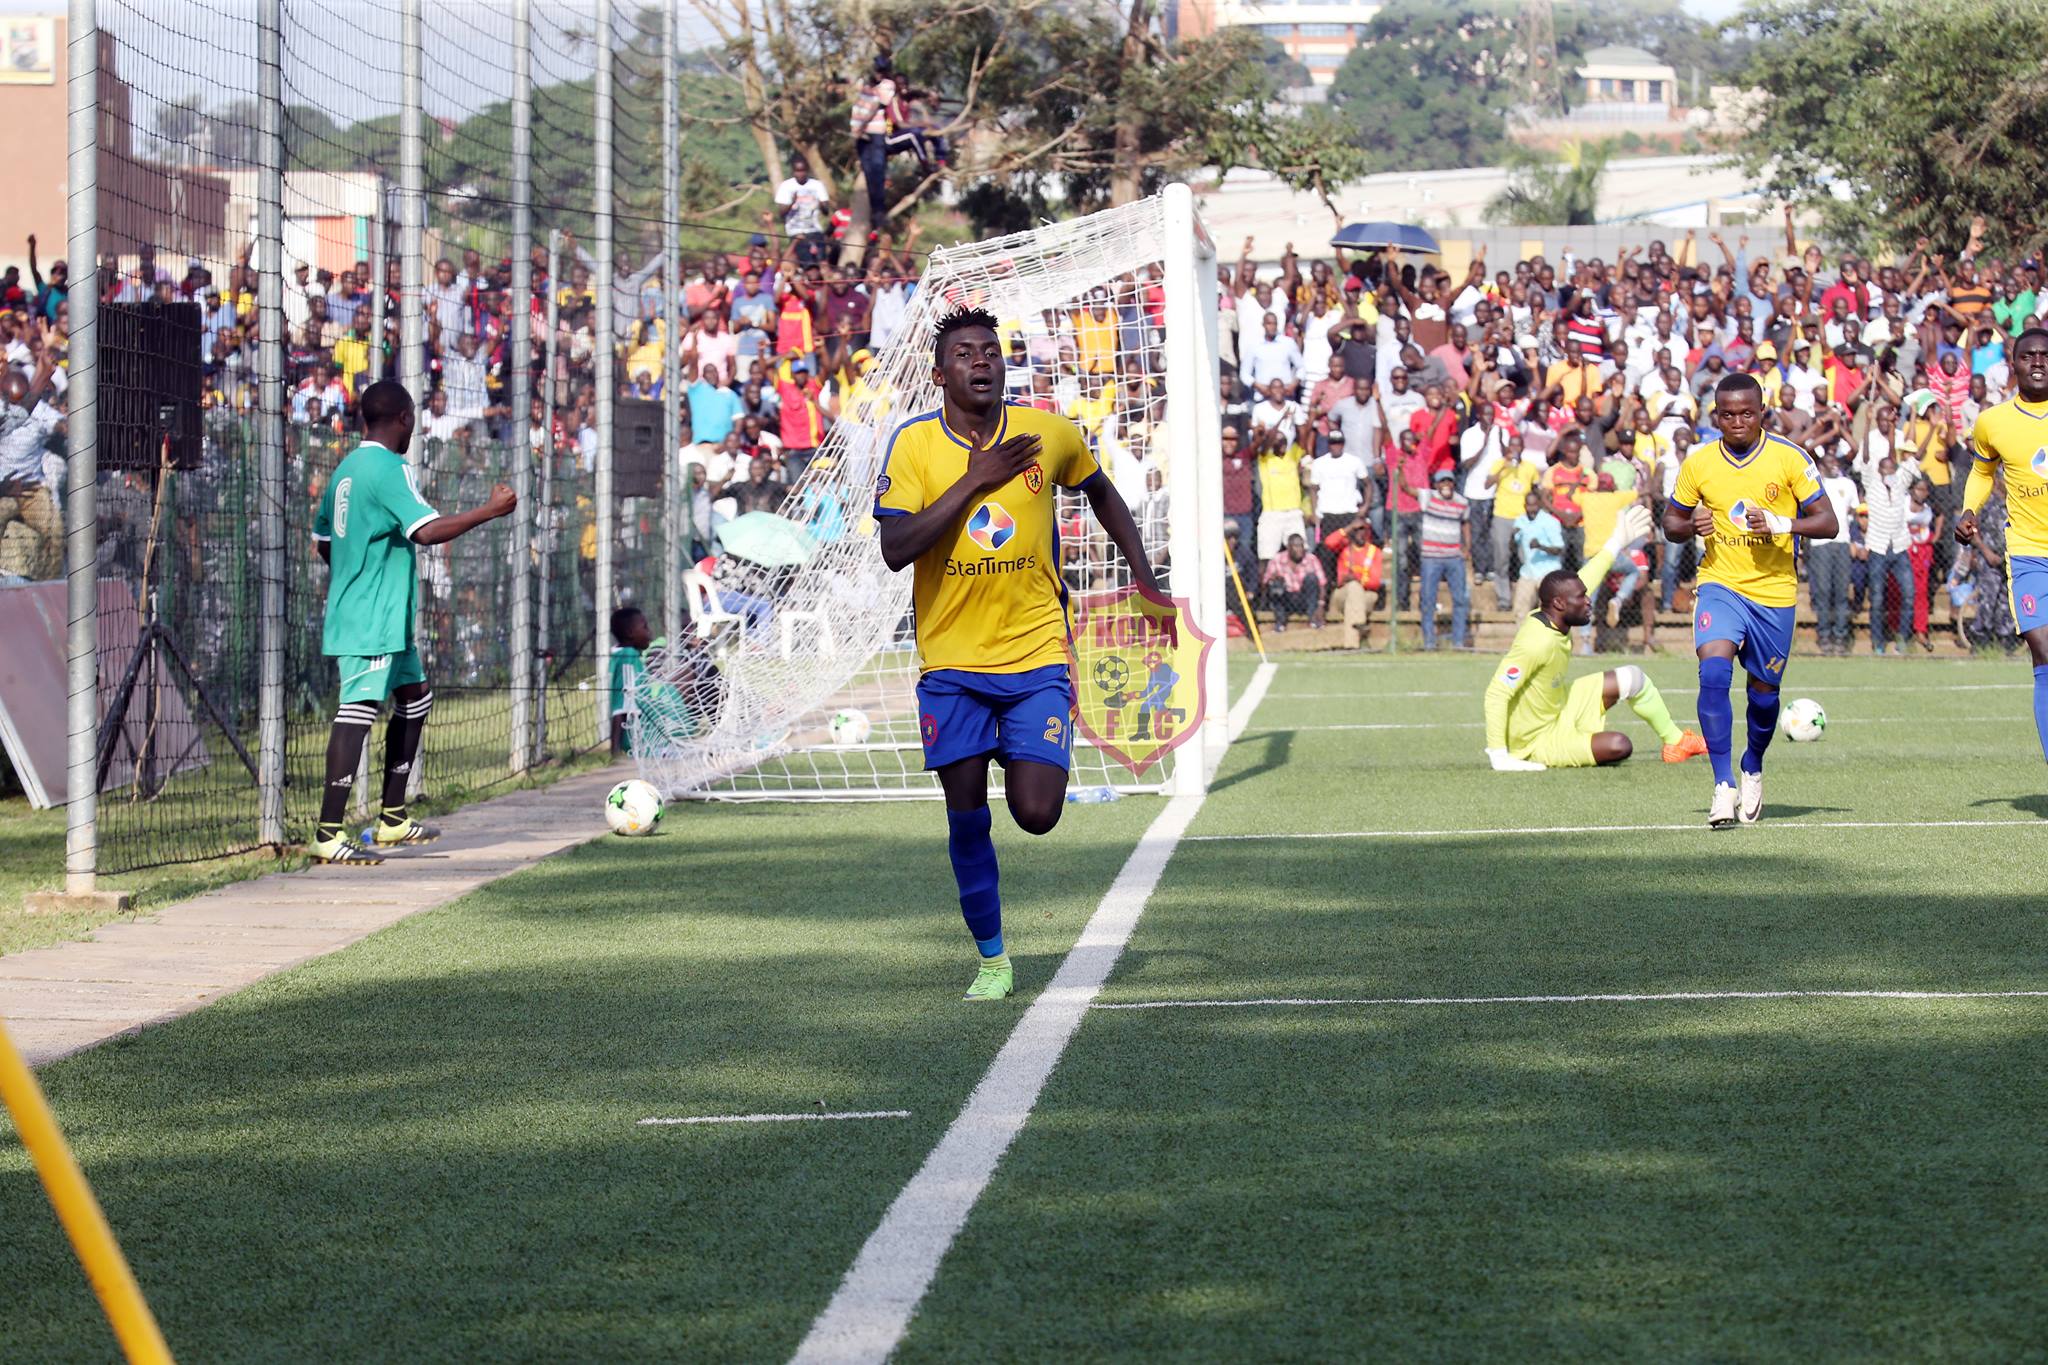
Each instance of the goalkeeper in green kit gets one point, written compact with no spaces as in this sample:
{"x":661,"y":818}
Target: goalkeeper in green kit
{"x":371,"y":517}
{"x":1533,"y":721}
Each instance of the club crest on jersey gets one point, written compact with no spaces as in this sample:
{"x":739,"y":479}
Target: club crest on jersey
{"x":1034,"y":478}
{"x":1770,"y":492}
{"x":881,"y":485}
{"x":991,"y":527}
{"x":1513,"y":675}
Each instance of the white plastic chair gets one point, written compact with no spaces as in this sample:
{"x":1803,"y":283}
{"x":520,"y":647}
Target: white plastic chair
{"x":708,"y":616}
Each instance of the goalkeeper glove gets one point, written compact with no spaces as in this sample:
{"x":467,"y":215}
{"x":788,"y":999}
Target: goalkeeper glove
{"x":1632,"y":525}
{"x":1505,"y":762}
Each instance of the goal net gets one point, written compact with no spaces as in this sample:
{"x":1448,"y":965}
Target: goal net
{"x":797,"y":682}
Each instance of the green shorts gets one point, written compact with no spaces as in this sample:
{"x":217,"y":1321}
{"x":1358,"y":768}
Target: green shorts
{"x":370,"y":677}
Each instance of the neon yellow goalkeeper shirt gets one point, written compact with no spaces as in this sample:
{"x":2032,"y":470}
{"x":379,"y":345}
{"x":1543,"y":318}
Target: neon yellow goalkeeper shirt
{"x":1527,"y":692}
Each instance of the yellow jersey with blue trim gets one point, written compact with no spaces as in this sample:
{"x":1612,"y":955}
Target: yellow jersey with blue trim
{"x":2014,"y":434}
{"x":1774,"y":474}
{"x":988,"y":595}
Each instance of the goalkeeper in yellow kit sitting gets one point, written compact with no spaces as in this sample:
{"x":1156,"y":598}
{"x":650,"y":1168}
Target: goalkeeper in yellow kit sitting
{"x":1533,"y":721}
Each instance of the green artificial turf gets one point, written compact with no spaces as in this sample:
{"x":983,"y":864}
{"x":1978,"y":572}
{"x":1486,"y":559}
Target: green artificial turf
{"x":425,"y":1147}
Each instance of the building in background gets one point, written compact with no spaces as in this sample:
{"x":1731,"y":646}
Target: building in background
{"x":1627,"y":83}
{"x":1317,"y":33}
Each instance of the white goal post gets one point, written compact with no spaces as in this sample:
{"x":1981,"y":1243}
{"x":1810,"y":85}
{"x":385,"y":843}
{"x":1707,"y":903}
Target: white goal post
{"x":1116,"y":314}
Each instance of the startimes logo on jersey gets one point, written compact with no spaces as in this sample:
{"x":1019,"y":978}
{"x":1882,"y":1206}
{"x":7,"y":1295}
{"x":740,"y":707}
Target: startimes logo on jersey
{"x":991,"y":526}
{"x":981,"y":568}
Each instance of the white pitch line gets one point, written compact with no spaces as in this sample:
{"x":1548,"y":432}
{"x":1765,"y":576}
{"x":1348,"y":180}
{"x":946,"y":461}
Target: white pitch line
{"x":1514,"y":831}
{"x":780,"y":1118}
{"x":1471,"y":692}
{"x":871,"y":1309}
{"x":1616,"y":999}
{"x":1480,"y":724}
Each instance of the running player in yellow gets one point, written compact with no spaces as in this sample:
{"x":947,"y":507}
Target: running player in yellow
{"x":1747,"y":493}
{"x":967,"y":494}
{"x":1533,"y":721}
{"x":2013,"y":436}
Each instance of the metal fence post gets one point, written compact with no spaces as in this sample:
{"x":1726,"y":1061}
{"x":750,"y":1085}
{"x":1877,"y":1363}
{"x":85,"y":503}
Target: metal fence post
{"x":519,"y":386}
{"x":675,"y":532}
{"x":412,"y":333}
{"x":545,"y":511}
{"x":81,"y":480}
{"x":605,"y":358}
{"x":270,"y":481}
{"x":378,"y":256}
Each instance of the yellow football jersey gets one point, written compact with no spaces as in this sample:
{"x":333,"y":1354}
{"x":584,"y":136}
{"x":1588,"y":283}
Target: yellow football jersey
{"x":1777,"y":476}
{"x":988,"y":596}
{"x":2015,"y":434}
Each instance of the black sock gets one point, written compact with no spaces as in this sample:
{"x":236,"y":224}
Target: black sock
{"x":344,"y":754}
{"x":401,"y":751}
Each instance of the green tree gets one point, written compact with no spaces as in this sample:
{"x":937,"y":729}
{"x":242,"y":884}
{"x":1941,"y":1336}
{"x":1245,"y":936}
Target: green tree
{"x":1432,"y":85}
{"x":1898,"y":121}
{"x":1544,"y":192}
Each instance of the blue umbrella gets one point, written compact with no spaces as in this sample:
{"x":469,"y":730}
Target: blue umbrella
{"x":1400,"y":236}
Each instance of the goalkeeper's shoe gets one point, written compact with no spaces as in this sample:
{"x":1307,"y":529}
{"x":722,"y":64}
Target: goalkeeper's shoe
{"x":410,"y":831}
{"x":1689,"y":745}
{"x":993,"y":982}
{"x":340,"y":849}
{"x":1721,"y":815}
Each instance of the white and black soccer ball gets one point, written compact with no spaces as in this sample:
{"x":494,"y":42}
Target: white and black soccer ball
{"x":850,"y":726}
{"x":633,"y":807}
{"x":1803,"y":721}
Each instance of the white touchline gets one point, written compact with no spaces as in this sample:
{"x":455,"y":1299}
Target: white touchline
{"x":1674,"y":690}
{"x":1281,"y":729}
{"x":871,"y":1309}
{"x":780,"y":1118}
{"x":1615,"y":999}
{"x":1694,"y":827}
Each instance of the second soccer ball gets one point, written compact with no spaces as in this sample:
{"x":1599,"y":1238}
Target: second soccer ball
{"x":849,"y":727}
{"x":1803,"y":721}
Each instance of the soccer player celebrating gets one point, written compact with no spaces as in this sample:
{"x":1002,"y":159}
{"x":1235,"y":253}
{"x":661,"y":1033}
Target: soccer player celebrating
{"x":2013,"y":435}
{"x":371,"y":516}
{"x":1747,"y":493}
{"x":1532,"y":721}
{"x":966,"y":494}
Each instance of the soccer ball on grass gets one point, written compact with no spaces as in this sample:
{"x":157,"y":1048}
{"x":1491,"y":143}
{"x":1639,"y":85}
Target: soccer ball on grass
{"x":1803,"y":721}
{"x":633,"y":807}
{"x":849,"y":727}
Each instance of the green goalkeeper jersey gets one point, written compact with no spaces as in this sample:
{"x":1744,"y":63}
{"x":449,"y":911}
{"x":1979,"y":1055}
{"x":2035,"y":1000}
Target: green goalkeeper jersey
{"x":367,"y":516}
{"x":1527,"y":692}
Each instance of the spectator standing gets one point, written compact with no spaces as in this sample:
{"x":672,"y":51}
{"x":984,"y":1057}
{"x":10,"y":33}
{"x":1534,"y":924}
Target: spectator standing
{"x":1514,"y":474}
{"x":1539,"y":544}
{"x":1924,"y":527}
{"x":802,"y":422}
{"x":804,"y":202}
{"x":1282,"y":470}
{"x":1886,"y":541}
{"x":1827,"y":561}
{"x":1273,"y":359}
{"x":1445,"y":544}
{"x":1240,"y":511}
{"x":1339,"y":481}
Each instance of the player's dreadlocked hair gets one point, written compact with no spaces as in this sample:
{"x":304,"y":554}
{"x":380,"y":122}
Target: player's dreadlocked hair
{"x":955,"y":321}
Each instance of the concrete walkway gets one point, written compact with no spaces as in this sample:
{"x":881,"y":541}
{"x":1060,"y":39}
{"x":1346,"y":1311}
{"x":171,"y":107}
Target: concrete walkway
{"x":129,"y":976}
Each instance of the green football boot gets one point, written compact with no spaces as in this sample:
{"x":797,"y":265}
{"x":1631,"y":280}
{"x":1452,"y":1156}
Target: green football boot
{"x":994,"y":981}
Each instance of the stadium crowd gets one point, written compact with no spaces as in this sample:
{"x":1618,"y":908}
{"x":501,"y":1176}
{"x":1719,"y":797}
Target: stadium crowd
{"x":1493,"y":425}
{"x":1488,"y":427}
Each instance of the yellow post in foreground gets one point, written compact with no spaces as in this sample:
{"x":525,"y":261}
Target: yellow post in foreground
{"x":1251,"y":620}
{"x":134,"y":1326}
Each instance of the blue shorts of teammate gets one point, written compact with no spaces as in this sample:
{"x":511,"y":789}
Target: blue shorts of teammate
{"x":1762,"y":635}
{"x":1010,"y":716}
{"x":2029,"y":576}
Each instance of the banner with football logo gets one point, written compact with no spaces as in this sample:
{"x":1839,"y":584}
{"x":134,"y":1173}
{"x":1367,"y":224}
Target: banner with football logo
{"x":1138,"y":675}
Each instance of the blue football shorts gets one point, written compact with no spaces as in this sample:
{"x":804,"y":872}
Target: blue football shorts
{"x":1008,"y":716}
{"x":1762,"y":635}
{"x":2028,"y":575}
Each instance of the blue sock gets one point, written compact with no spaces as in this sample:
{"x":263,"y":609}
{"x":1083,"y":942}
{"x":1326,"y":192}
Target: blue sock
{"x":1717,"y":717}
{"x":974,"y":868}
{"x":1763,"y":723}
{"x":2041,"y":705}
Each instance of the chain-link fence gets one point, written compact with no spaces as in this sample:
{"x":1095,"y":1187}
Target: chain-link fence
{"x":294,"y":199}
